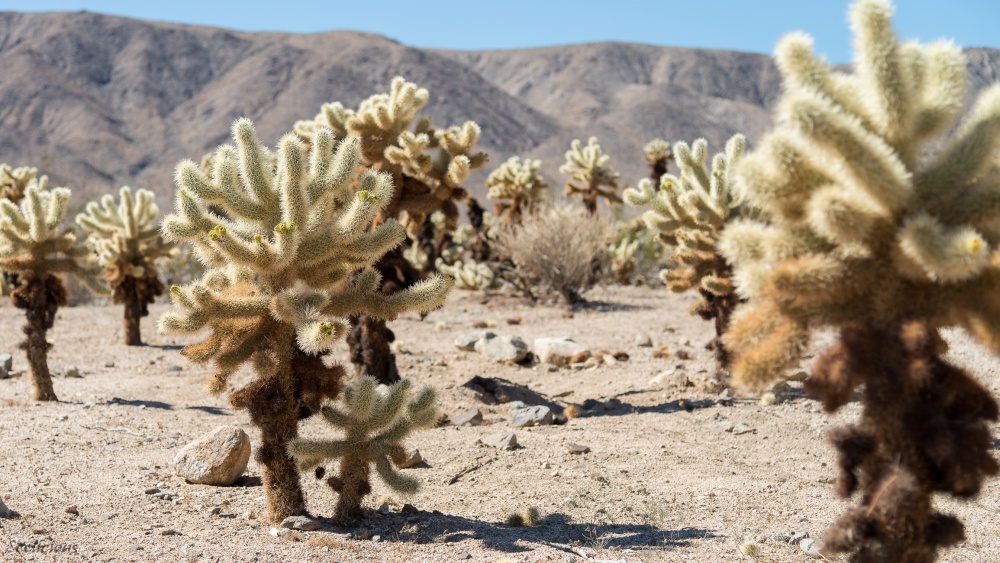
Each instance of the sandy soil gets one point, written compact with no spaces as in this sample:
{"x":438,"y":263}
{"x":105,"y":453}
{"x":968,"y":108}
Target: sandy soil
{"x":661,"y":482}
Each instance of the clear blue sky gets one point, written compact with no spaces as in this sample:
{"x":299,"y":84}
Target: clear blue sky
{"x":745,"y":25}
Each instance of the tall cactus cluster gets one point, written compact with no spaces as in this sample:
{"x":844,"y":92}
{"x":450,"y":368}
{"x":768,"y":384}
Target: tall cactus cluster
{"x":590,"y":175}
{"x":690,"y":212}
{"x":374,"y":426}
{"x":37,"y":247}
{"x":517,"y":187}
{"x":427,"y":167}
{"x":291,"y":257}
{"x":885,"y":221}
{"x":127,"y":239}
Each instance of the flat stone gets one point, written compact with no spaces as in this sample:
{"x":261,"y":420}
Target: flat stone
{"x":502,"y":348}
{"x":810,"y":547}
{"x":742,"y":428}
{"x":467,"y":340}
{"x":218,"y":458}
{"x":6,"y":362}
{"x":643,"y":340}
{"x":501,"y":440}
{"x":303,"y":523}
{"x":173,"y":368}
{"x":531,"y":416}
{"x":108,"y":516}
{"x":7,"y":512}
{"x":558,"y":351}
{"x":109,"y":364}
{"x":578,"y":449}
{"x":471,"y":418}
{"x":413,"y":458}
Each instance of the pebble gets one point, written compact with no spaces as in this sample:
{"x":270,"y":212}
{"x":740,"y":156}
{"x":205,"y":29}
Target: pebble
{"x":503,"y":348}
{"x":6,"y":362}
{"x":173,"y":368}
{"x":578,"y":449}
{"x":219,"y":458}
{"x":810,"y":547}
{"x":107,"y":516}
{"x":467,"y":340}
{"x":559,"y":351}
{"x":472,"y":418}
{"x":412,"y":458}
{"x":303,"y":523}
{"x":169,"y":532}
{"x":550,"y":368}
{"x":643,"y":340}
{"x":742,"y":428}
{"x":151,"y":491}
{"x":501,"y":440}
{"x":464,"y":555}
{"x":276,"y":532}
{"x":531,"y":416}
{"x":109,"y":364}
{"x":72,"y":510}
{"x":73,"y":372}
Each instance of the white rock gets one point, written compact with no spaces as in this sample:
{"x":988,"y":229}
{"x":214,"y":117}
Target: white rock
{"x":218,"y":458}
{"x":502,"y":348}
{"x":558,"y":350}
{"x":501,"y":440}
{"x":643,"y":340}
{"x":531,"y":416}
{"x":467,"y":340}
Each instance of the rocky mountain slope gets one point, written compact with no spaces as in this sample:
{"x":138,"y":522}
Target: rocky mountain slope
{"x":100,"y":101}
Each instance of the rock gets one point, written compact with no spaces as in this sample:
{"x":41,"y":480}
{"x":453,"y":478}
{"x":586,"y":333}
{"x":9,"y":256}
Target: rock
{"x":472,"y":418}
{"x":72,"y":510}
{"x":218,"y":458}
{"x":108,"y":516}
{"x":304,"y":523}
{"x":798,"y":537}
{"x":4,"y":374}
{"x":609,"y":359}
{"x":531,"y":416}
{"x":683,"y":355}
{"x":73,"y":372}
{"x":550,"y":367}
{"x":799,"y":376}
{"x":169,"y":532}
{"x":672,"y":378}
{"x":7,"y":512}
{"x":502,"y":348}
{"x":109,"y":364}
{"x":558,"y":351}
{"x":515,"y":320}
{"x":810,"y":547}
{"x":151,"y":491}
{"x":6,"y":362}
{"x":464,"y":555}
{"x":643,"y":340}
{"x":276,"y":532}
{"x":591,"y":362}
{"x":580,"y":357}
{"x":413,"y":458}
{"x":173,"y":369}
{"x":742,"y":428}
{"x":514,"y":405}
{"x":467,"y":340}
{"x":578,"y":449}
{"x":501,"y":440}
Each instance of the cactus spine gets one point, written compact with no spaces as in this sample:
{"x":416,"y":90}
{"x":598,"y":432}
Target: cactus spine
{"x":689,"y":212}
{"x":37,"y":248}
{"x":374,"y":425}
{"x":590,"y":176}
{"x":128,"y":244}
{"x":275,"y":293}
{"x":872,"y":236}
{"x":427,"y":167}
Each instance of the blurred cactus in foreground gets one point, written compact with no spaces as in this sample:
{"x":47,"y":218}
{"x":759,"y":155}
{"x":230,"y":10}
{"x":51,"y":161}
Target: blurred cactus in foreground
{"x":374,"y":425}
{"x":689,"y":212}
{"x":887,"y":242}
{"x":37,"y":248}
{"x":128,"y":244}
{"x":289,"y":260}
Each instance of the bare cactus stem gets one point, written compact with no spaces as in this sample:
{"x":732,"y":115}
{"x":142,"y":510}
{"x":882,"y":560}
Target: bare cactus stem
{"x":40,"y":298}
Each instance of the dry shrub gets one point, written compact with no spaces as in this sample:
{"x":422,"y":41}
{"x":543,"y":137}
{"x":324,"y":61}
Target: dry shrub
{"x":557,"y":249}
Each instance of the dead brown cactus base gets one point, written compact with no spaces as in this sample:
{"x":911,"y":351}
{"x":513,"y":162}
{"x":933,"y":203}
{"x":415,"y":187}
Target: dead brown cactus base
{"x":136,"y":294}
{"x":40,"y":298}
{"x":923,"y":430}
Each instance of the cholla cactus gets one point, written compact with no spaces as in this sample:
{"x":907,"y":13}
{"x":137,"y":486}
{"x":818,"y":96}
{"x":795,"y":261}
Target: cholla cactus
{"x":886,"y":243}
{"x":128,"y":244}
{"x":633,"y":252}
{"x":590,"y":177}
{"x":658,"y":156}
{"x":467,"y":275}
{"x":689,"y":213}
{"x":13,"y":181}
{"x":275,"y":294}
{"x":37,"y":247}
{"x":374,"y":426}
{"x":427,"y":167}
{"x":519,"y":188}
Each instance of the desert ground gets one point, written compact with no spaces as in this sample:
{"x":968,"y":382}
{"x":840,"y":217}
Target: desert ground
{"x":675,"y":471}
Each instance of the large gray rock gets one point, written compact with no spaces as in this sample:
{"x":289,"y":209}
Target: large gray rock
{"x":502,"y":348}
{"x":467,"y":340}
{"x":218,"y":458}
{"x":558,"y":351}
{"x":6,"y":512}
{"x":531,"y":416}
{"x":304,"y":523}
{"x":471,"y":417}
{"x":501,"y":440}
